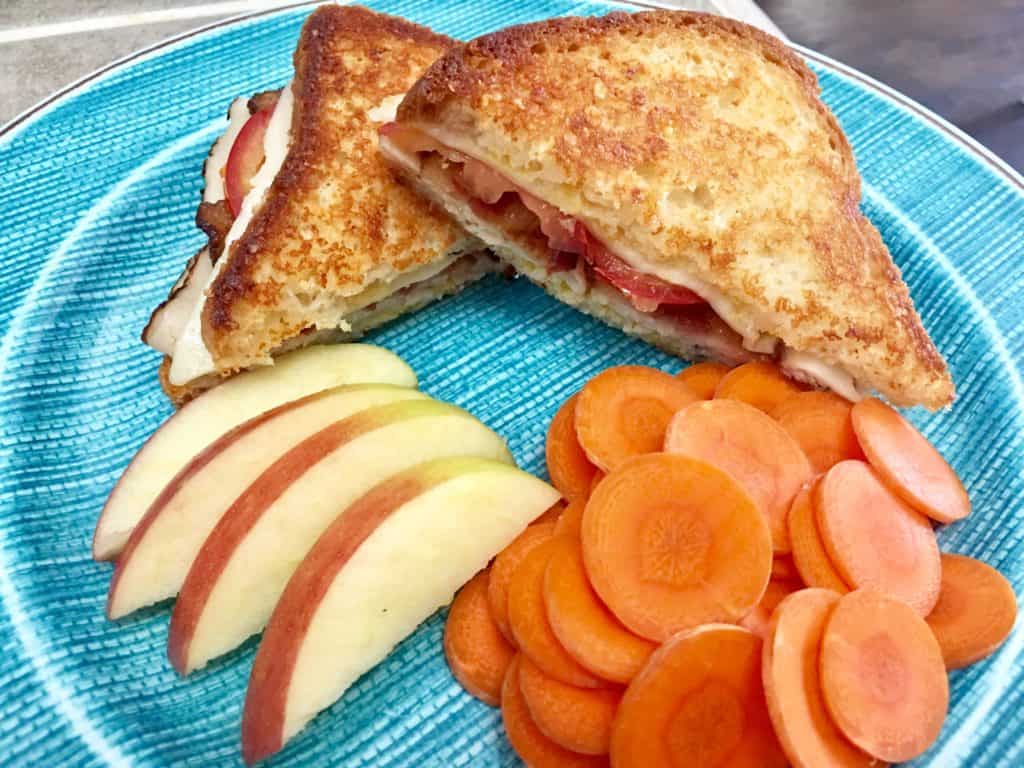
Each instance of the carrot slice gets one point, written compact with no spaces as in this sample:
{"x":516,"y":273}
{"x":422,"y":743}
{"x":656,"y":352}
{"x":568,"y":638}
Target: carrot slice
{"x":759,"y":619}
{"x":820,"y":423}
{"x":809,"y":556}
{"x":783,"y":567}
{"x":477,"y":654}
{"x":882,"y":676}
{"x":670,"y":542}
{"x":905,"y":460}
{"x":579,"y":719}
{"x":792,"y":684}
{"x":698,"y":702}
{"x":623,"y":412}
{"x":598,"y":477}
{"x":703,"y":378}
{"x":975,"y":612}
{"x":536,"y":749}
{"x":571,"y":520}
{"x":551,"y":514}
{"x":529,"y":621}
{"x":874,"y":539}
{"x":752,"y":448}
{"x":505,"y":565}
{"x":759,"y":384}
{"x":583,"y":624}
{"x":568,"y":466}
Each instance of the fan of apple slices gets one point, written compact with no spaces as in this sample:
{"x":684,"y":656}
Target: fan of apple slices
{"x":282,"y":501}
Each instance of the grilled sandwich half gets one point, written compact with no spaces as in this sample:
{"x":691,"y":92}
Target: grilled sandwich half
{"x":310,"y":237}
{"x":676,"y":175}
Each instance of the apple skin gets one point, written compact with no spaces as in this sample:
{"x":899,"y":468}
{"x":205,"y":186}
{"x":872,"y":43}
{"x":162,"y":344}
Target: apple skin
{"x":189,"y":430}
{"x":385,"y":565}
{"x":163,"y":545}
{"x":246,"y":157}
{"x":246,"y":561}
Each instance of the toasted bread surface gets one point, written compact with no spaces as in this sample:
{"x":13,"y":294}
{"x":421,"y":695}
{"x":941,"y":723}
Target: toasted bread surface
{"x":333,"y":221}
{"x":694,"y":145}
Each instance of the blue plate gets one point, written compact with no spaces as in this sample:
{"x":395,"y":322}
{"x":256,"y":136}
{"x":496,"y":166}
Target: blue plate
{"x":97,"y":193}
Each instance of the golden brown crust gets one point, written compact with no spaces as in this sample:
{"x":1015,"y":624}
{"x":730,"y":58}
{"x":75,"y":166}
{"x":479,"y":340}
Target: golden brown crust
{"x":702,"y":144}
{"x":333,"y":218}
{"x":178,"y":395}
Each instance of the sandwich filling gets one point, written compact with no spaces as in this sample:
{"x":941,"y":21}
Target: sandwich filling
{"x":169,"y":320}
{"x":571,"y":254}
{"x":191,"y":358}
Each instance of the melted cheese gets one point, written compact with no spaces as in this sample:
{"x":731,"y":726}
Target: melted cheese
{"x":169,"y":320}
{"x":191,"y":358}
{"x":811,"y":369}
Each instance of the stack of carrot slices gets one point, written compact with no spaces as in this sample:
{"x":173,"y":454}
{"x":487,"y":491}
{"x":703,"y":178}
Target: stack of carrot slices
{"x":743,"y":573}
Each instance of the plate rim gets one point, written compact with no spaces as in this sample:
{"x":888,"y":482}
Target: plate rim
{"x":1000,"y":166}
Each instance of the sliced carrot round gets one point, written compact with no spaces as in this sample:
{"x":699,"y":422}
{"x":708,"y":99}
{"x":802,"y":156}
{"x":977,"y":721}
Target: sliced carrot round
{"x":703,"y":378}
{"x":579,"y":719}
{"x":670,"y":542}
{"x":874,"y":539}
{"x":698,"y":702}
{"x":529,"y":622}
{"x":598,"y":477}
{"x":752,"y":448}
{"x":783,"y":567}
{"x":820,"y":422}
{"x":535,"y":749}
{"x":505,"y":565}
{"x":809,"y":555}
{"x":477,"y":654}
{"x":583,"y":624}
{"x":551,"y":514}
{"x":568,"y":466}
{"x":975,"y":612}
{"x":759,"y":619}
{"x":623,"y":412}
{"x":792,"y":685}
{"x":910,"y":464}
{"x":571,"y":520}
{"x":759,"y":384}
{"x":882,"y":676}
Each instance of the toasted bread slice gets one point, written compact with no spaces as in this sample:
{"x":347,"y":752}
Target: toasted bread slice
{"x":326,"y":245}
{"x":696,"y":151}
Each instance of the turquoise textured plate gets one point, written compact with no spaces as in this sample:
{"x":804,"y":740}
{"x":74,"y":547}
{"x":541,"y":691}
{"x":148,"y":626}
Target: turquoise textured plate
{"x":97,"y":194}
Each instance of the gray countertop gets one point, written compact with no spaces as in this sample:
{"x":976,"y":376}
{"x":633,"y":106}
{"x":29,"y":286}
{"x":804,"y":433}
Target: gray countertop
{"x":964,"y":60}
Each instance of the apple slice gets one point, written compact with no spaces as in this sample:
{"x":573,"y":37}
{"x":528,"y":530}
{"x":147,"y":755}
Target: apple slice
{"x":386,"y":564}
{"x":163,"y":545}
{"x":203,"y":420}
{"x":247,"y":559}
{"x":246,"y":157}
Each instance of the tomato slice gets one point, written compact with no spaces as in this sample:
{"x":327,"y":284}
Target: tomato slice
{"x":647,"y":292}
{"x":246,"y":158}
